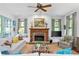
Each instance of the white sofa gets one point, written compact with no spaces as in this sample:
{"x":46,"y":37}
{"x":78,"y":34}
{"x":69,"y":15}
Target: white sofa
{"x":17,"y":47}
{"x":46,"y":54}
{"x":14,"y":48}
{"x":31,"y":54}
{"x":36,"y":54}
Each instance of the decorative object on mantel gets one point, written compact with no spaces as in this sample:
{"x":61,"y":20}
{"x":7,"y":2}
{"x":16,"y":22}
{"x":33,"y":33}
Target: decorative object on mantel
{"x":46,"y":24}
{"x":64,"y":26}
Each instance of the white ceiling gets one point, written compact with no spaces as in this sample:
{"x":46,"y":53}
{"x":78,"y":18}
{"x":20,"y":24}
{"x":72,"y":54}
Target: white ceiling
{"x":21,"y":9}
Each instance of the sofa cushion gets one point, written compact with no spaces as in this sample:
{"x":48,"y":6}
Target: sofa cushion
{"x":67,"y":38}
{"x":15,"y":40}
{"x":18,"y":46}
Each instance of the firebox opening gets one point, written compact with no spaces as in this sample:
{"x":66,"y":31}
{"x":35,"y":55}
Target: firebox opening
{"x":39,"y":38}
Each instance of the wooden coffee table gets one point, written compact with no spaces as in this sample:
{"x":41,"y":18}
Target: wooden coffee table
{"x":41,"y":49}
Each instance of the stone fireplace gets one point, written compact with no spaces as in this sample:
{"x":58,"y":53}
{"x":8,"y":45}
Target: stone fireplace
{"x":39,"y":34}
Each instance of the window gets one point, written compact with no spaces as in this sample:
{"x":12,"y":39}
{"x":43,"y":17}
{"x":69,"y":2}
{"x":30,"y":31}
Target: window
{"x":56,"y":27}
{"x":22,"y":26}
{"x":0,"y":25}
{"x":70,"y":24}
{"x":6,"y":26}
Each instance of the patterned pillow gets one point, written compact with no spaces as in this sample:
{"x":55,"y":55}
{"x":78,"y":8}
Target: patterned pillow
{"x":15,"y":40}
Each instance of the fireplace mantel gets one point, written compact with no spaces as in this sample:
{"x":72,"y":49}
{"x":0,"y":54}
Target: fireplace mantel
{"x":39,"y":30}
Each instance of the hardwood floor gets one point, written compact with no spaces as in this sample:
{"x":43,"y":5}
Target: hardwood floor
{"x":52,"y":48}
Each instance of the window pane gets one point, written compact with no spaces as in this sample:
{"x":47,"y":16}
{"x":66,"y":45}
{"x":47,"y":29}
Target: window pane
{"x":56,"y":20}
{"x":21,"y":24}
{"x":70,"y":32}
{"x":8,"y":22}
{"x":21,"y":30}
{"x":71,"y":16}
{"x":0,"y":20}
{"x":0,"y":29}
{"x":56,"y":29}
{"x":56,"y":24}
{"x":71,"y":23}
{"x":7,"y":30}
{"x":0,"y":24}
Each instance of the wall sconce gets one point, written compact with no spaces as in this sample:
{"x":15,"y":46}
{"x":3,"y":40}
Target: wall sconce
{"x":64,"y":26}
{"x":46,"y":24}
{"x":14,"y":29}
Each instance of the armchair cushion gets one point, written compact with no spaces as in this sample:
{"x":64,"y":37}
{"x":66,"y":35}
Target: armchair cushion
{"x":67,"y":38}
{"x":66,"y":42}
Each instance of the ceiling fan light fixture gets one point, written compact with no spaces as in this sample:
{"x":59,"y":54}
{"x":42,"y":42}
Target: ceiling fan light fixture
{"x":42,"y":7}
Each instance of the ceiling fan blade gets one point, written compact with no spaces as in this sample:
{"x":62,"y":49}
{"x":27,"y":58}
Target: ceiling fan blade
{"x":36,"y":10}
{"x":43,"y":9}
{"x":47,"y":6}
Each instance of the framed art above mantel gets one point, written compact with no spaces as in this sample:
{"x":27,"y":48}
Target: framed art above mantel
{"x":39,"y":22}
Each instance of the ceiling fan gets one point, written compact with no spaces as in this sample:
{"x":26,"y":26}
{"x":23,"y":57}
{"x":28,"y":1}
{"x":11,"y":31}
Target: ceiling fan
{"x":41,"y":7}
